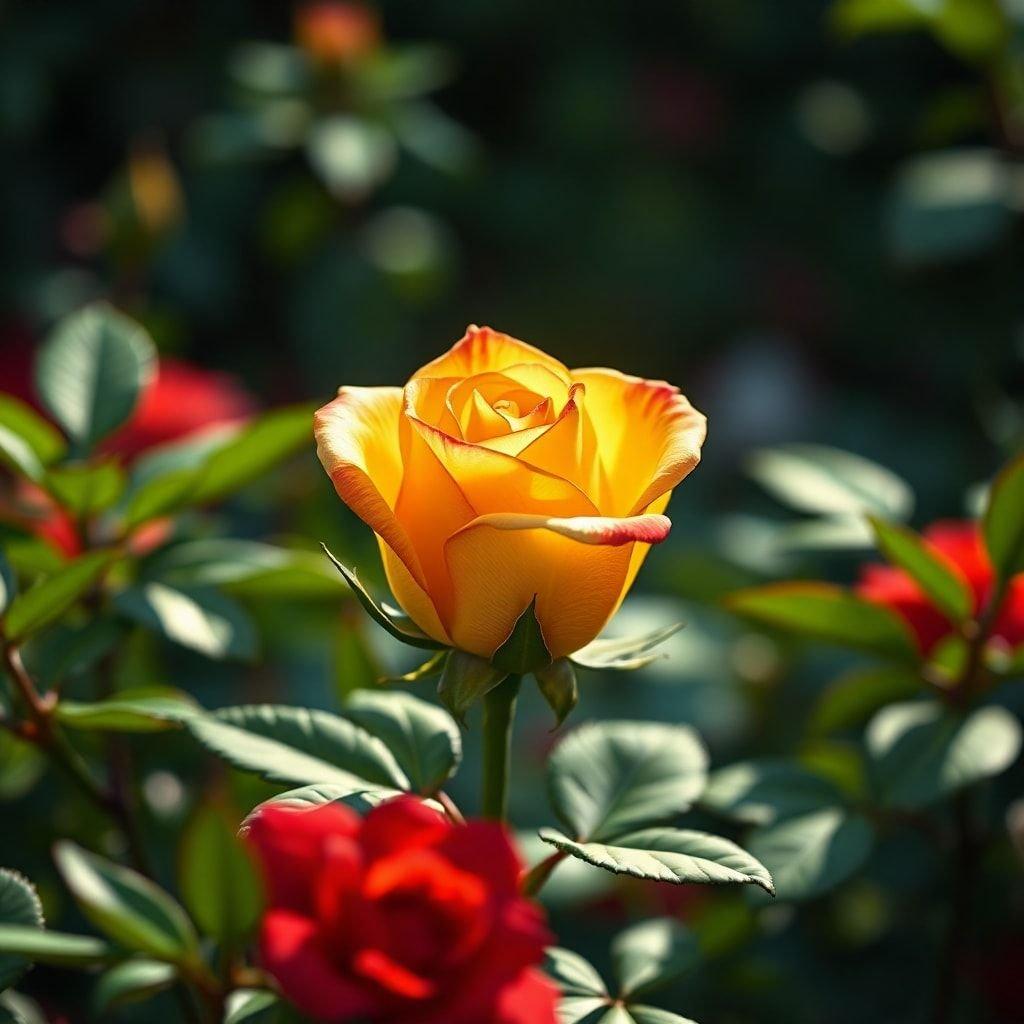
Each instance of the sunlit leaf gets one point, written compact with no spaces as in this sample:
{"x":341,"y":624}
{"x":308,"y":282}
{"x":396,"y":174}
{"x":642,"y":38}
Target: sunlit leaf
{"x":151,"y":709}
{"x":92,"y":370}
{"x":653,"y":953}
{"x":608,"y":778}
{"x":86,"y":489}
{"x":132,"y":981}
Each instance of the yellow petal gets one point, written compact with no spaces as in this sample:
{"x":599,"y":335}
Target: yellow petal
{"x":648,"y":435}
{"x":357,"y":439}
{"x":413,"y":599}
{"x":482,"y":349}
{"x":497,"y":570}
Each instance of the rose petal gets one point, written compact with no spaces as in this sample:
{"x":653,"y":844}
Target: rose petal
{"x":648,"y":435}
{"x":530,"y":999}
{"x":482,"y":349}
{"x":404,"y":823}
{"x":603,"y":530}
{"x":292,"y":952}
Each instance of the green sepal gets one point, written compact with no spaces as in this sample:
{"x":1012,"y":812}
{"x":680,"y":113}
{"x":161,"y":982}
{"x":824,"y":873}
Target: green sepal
{"x":525,"y":649}
{"x":465,"y":679}
{"x":400,"y":630}
{"x":557,"y":683}
{"x":624,"y":654}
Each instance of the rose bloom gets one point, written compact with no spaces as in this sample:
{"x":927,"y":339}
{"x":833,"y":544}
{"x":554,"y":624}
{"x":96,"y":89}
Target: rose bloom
{"x":399,"y":917}
{"x":497,"y":475}
{"x":181,"y":401}
{"x":960,"y":546}
{"x":335,"y":32}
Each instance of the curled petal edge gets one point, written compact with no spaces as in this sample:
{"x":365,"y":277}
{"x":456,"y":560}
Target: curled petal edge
{"x":598,"y":530}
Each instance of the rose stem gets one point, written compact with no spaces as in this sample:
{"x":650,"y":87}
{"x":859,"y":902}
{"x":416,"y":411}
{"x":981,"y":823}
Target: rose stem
{"x":499,"y":711}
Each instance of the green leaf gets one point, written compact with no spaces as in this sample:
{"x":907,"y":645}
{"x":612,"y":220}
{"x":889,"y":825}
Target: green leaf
{"x":557,"y":684}
{"x":132,"y":981}
{"x":298,"y":746}
{"x":246,"y":568}
{"x":573,"y":975}
{"x":220,"y":881}
{"x":48,"y":600}
{"x":423,"y":738}
{"x":830,"y":482}
{"x":21,"y":766}
{"x":362,"y":799}
{"x":945,"y":587}
{"x":16,"y":1008}
{"x":821,"y":611}
{"x":922,"y":752}
{"x":400,"y":630}
{"x":524,"y":650}
{"x":159,"y":496}
{"x":1003,"y":523}
{"x":130,"y":909}
{"x":464,"y":680}
{"x":653,"y":1015}
{"x":809,"y":854}
{"x":624,"y":653}
{"x":17,"y":454}
{"x":19,"y":418}
{"x":254,"y":451}
{"x":45,"y":947}
{"x":668,"y":855}
{"x":653,"y":953}
{"x":152,"y":709}
{"x":351,"y":155}
{"x":590,"y":1010}
{"x":856,"y":696}
{"x":259,"y":1006}
{"x":92,"y":370}
{"x":765,"y":791}
{"x":608,"y":778}
{"x":19,"y":905}
{"x":202,"y":620}
{"x":86,"y":490}
{"x":8,"y":583}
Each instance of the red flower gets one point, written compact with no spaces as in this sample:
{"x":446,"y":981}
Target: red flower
{"x":399,"y":917}
{"x":335,"y":32}
{"x":960,"y":546}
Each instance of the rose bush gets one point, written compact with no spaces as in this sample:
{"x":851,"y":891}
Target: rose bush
{"x":497,"y":476}
{"x":960,"y":547}
{"x":399,"y":917}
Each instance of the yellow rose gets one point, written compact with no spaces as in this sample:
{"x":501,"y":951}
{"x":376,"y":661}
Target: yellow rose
{"x":497,"y":476}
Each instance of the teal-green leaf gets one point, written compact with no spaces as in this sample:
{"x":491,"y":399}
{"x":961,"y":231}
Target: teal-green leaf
{"x":465,"y":679}
{"x":132,"y":981}
{"x":668,"y":855}
{"x":128,"y":908}
{"x":86,"y":490}
{"x":49,"y":599}
{"x":762,"y":792}
{"x":220,"y":880}
{"x":400,"y":630}
{"x":91,"y":371}
{"x":259,"y":1006}
{"x":362,"y":798}
{"x":624,"y":654}
{"x":608,"y":778}
{"x":557,"y":684}
{"x":573,"y":975}
{"x":17,"y":1008}
{"x":38,"y":945}
{"x":820,"y":611}
{"x":19,"y":905}
{"x":1003,"y":523}
{"x":423,"y":738}
{"x":654,"y":1015}
{"x":921,"y":752}
{"x":811,"y":853}
{"x":946,"y":587}
{"x":830,"y":482}
{"x":152,"y":709}
{"x":198,"y":618}
{"x":653,"y":953}
{"x":298,"y":746}
{"x":524,"y":650}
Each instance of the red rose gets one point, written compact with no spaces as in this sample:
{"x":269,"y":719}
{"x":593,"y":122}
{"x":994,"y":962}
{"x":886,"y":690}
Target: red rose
{"x":399,"y":917}
{"x":961,"y":547}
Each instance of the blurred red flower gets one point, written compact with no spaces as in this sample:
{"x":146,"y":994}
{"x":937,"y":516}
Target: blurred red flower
{"x":960,"y":546}
{"x":334,"y":32}
{"x":182,"y":400}
{"x":399,"y":917}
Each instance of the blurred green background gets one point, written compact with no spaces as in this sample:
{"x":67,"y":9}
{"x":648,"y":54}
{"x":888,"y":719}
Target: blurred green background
{"x":805,"y":215}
